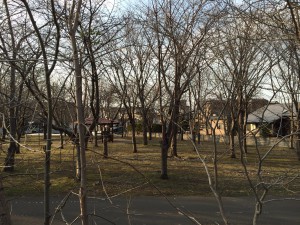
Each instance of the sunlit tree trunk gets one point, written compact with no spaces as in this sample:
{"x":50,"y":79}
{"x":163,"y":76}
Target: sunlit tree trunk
{"x":47,"y":72}
{"x":164,"y":140}
{"x":73,"y":22}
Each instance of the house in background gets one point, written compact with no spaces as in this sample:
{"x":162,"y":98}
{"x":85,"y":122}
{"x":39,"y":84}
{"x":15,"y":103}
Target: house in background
{"x":257,"y":103}
{"x":216,"y":113}
{"x":273,"y":119}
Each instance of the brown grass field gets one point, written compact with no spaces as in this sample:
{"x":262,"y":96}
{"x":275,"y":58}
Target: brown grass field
{"x":139,"y":174}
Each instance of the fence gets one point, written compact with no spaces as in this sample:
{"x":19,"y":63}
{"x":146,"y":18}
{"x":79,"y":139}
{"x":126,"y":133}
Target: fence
{"x":261,"y":141}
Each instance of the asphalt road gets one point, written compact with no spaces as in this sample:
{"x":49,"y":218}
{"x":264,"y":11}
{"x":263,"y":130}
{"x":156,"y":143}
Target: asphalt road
{"x":157,"y":211}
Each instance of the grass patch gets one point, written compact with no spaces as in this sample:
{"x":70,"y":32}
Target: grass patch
{"x":187,"y":174}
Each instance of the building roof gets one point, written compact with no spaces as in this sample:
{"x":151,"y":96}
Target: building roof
{"x":101,"y":121}
{"x":269,"y":113}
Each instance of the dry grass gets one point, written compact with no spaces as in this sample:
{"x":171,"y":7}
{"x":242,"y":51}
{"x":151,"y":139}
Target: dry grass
{"x":138,"y":173}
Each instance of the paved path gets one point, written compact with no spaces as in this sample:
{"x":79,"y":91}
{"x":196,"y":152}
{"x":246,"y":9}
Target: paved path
{"x":157,"y":211}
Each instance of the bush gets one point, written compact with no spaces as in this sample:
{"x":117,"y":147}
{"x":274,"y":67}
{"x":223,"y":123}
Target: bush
{"x":156,"y":128}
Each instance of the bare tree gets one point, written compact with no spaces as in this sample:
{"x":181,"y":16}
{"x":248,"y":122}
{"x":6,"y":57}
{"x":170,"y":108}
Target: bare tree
{"x":180,"y":29}
{"x":139,"y":59}
{"x":280,"y":18}
{"x":242,"y":63}
{"x":48,"y":69}
{"x":73,"y":20}
{"x":120,"y":76}
{"x":10,"y":51}
{"x":185,"y":30}
{"x":289,"y":61}
{"x":96,"y":31}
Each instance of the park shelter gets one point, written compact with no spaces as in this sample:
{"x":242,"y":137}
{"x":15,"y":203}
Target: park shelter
{"x":103,"y":125}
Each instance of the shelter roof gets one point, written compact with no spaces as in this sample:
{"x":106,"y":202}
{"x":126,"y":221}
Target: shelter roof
{"x":101,"y":121}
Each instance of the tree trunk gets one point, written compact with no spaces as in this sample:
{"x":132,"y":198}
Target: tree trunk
{"x":96,"y":136}
{"x":19,"y":135}
{"x":231,"y":136}
{"x":145,"y":132}
{"x":81,"y":132}
{"x":61,"y":140}
{"x":44,"y":130}
{"x":174,"y":141}
{"x":73,"y":24}
{"x":12,"y":148}
{"x":47,"y":215}
{"x":194,"y":137}
{"x":3,"y":133}
{"x":47,"y":184}
{"x":164,"y":154}
{"x":207,"y":126}
{"x":174,"y":121}
{"x":164,"y":160}
{"x":231,"y":143}
{"x":10,"y":157}
{"x":150,"y":134}
{"x":292,"y":129}
{"x":298,"y":147}
{"x":164,"y":141}
{"x":78,"y":163}
{"x":105,"y":147}
{"x":298,"y":136}
{"x":134,"y":146}
{"x":245,"y":131}
{"x":241,"y":123}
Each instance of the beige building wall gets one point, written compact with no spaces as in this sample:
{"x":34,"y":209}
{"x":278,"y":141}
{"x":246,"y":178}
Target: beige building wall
{"x":218,"y":124}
